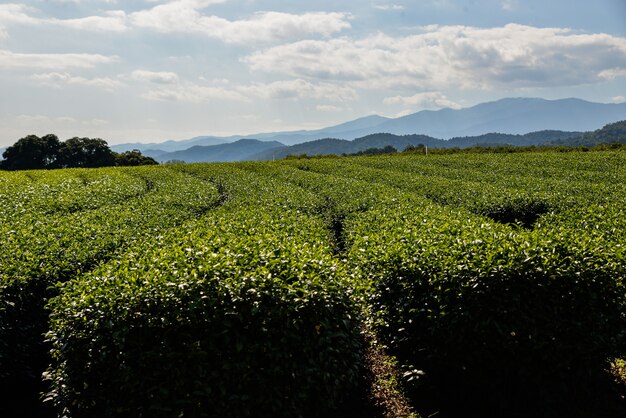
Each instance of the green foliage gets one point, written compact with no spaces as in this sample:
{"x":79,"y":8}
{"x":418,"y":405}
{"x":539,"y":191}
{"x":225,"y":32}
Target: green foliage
{"x":133,"y":158}
{"x":86,"y":152}
{"x":415,"y":149}
{"x":522,"y":210}
{"x":238,"y":289}
{"x":388,"y":149}
{"x":32,"y":152}
{"x":518,"y":319}
{"x":613,"y":133}
{"x":226,"y":318}
{"x":52,"y":232}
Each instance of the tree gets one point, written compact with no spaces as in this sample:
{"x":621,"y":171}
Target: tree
{"x":32,"y":152}
{"x":86,"y":152}
{"x":419,"y":149}
{"x":133,"y":158}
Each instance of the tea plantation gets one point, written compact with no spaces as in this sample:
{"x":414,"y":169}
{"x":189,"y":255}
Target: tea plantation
{"x":494,"y":284}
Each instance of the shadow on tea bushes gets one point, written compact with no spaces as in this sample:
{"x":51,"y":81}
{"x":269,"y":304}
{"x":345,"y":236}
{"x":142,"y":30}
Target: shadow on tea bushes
{"x":502,"y":322}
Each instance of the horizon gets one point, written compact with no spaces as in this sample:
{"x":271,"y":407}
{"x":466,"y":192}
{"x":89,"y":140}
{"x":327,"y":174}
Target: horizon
{"x":229,"y":139}
{"x":149,"y":71}
{"x":238,"y":137}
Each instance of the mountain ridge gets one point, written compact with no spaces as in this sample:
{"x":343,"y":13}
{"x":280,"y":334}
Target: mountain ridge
{"x":400,"y":142}
{"x":509,"y":115}
{"x":242,"y":149}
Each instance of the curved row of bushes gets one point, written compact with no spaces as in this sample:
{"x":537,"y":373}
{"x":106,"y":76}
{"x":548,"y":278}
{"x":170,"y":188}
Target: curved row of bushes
{"x":42,"y":247}
{"x":244,"y":313}
{"x":504,"y":322}
{"x":238,"y":289}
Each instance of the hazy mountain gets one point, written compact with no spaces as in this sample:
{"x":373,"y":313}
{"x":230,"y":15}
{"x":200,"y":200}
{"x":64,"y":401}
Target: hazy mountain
{"x":511,"y":116}
{"x":400,"y":142}
{"x":170,"y":146}
{"x":154,"y":153}
{"x":508,"y":116}
{"x":154,"y":149}
{"x":345,"y":130}
{"x":343,"y":146}
{"x":242,"y":149}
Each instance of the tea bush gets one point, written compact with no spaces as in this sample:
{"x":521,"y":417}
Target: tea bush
{"x":244,"y":315}
{"x":505,"y":318}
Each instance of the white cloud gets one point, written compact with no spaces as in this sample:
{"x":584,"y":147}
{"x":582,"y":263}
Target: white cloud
{"x":9,"y":60}
{"x":194,"y":93}
{"x":3,"y":33}
{"x":426,"y":100}
{"x":387,"y":7}
{"x":618,"y":99}
{"x":28,"y":119}
{"x":159,"y":77}
{"x":299,"y":89}
{"x":25,"y":119}
{"x":190,"y":92}
{"x":612,"y":73}
{"x":329,"y":108}
{"x":96,"y":122}
{"x":63,"y":79}
{"x":113,"y":21}
{"x":453,"y":57}
{"x":509,"y":5}
{"x":16,"y":13}
{"x":66,"y":1}
{"x":445,"y":4}
{"x":45,"y":123}
{"x":404,"y":112}
{"x":184,"y":16}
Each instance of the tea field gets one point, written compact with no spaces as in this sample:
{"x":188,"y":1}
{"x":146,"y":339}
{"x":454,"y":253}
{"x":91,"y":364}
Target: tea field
{"x":490,"y":284}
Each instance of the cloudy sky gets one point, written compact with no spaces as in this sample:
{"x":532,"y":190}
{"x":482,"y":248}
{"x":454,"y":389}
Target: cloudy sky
{"x":151,"y":70}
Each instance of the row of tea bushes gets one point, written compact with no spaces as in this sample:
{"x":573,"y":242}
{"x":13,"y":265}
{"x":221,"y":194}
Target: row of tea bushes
{"x":506,"y":322}
{"x":509,"y":189}
{"x":241,"y":313}
{"x":39,"y":250}
{"x":67,"y":191}
{"x":239,"y":289}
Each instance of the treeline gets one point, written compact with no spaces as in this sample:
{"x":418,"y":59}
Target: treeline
{"x":609,"y":135}
{"x":47,"y":152}
{"x":613,"y":133}
{"x":478,"y":149}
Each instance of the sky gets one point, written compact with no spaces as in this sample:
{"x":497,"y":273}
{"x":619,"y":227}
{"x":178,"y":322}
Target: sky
{"x":150,"y":70}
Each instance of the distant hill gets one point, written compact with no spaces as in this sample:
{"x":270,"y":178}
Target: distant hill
{"x":154,"y":153}
{"x":511,"y":116}
{"x":154,"y":149}
{"x":613,"y":133}
{"x":343,"y":146}
{"x":400,"y":142}
{"x":244,"y":149}
{"x":546,"y":137}
{"x":345,"y":130}
{"x":515,"y":116}
{"x":171,"y":146}
{"x":507,"y":116}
